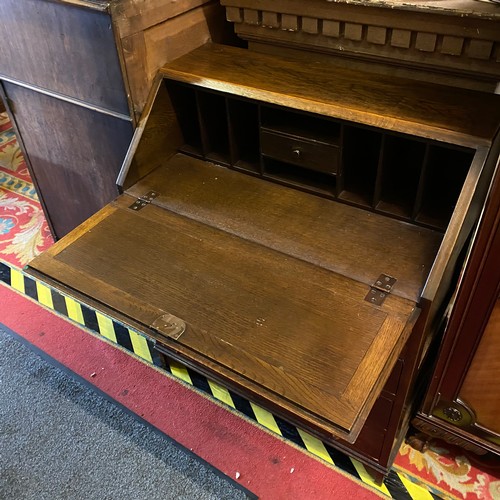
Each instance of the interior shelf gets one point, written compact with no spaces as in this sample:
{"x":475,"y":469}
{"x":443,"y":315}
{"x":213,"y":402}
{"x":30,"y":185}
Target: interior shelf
{"x":401,"y":166}
{"x":400,"y":176}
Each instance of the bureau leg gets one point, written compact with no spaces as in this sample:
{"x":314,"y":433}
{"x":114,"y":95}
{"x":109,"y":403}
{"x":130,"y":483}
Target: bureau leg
{"x":419,"y":441}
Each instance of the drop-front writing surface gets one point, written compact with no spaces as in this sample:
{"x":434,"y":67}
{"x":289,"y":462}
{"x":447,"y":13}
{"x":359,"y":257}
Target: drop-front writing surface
{"x":276,"y":209}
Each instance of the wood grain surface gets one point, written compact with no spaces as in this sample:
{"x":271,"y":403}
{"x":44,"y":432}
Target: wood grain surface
{"x":303,"y":333}
{"x":452,"y":115}
{"x":480,"y":387}
{"x":338,"y":237}
{"x":64,"y":48}
{"x":75,"y":154}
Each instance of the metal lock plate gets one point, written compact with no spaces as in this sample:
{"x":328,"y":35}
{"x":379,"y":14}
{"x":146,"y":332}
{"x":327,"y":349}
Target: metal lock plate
{"x":169,"y":325}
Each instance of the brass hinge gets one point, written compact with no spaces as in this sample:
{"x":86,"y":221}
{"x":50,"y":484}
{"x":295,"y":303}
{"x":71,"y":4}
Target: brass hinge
{"x":380,"y":289}
{"x":144,"y":200}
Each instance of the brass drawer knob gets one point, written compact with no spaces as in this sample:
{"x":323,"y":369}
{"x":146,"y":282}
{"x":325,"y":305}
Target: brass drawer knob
{"x":297,"y":153}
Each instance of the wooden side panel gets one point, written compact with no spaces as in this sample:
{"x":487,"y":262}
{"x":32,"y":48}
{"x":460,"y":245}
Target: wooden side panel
{"x":133,"y":16}
{"x":75,"y":154}
{"x":155,"y":140}
{"x":146,"y":51}
{"x":63,"y":48}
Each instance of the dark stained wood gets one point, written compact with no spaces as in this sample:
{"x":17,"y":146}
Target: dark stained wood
{"x":480,"y":386}
{"x":236,"y":298}
{"x":302,"y":152}
{"x":466,"y":374}
{"x":52,"y":51}
{"x":341,"y":238}
{"x":102,"y":56}
{"x":456,"y":116}
{"x":269,"y":280}
{"x":75,"y":154}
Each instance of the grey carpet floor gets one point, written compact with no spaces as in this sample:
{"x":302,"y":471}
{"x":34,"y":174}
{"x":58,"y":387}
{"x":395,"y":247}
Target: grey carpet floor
{"x":61,"y":440}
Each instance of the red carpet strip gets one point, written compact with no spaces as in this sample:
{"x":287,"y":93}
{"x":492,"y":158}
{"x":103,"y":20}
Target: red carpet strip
{"x":265,"y":465}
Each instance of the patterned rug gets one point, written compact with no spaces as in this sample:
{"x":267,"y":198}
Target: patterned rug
{"x":450,"y":472}
{"x":444,"y":470}
{"x":24,"y":232}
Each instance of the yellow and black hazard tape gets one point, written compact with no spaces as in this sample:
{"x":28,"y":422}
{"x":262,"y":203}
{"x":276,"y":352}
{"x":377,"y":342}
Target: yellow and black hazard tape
{"x":395,"y":485}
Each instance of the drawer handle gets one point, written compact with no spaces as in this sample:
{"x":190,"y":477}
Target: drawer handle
{"x":297,"y":153}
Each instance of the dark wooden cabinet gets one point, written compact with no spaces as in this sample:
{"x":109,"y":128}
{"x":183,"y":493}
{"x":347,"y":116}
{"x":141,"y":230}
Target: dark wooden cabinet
{"x":462,"y":404}
{"x":75,"y":77}
{"x":292,"y":231}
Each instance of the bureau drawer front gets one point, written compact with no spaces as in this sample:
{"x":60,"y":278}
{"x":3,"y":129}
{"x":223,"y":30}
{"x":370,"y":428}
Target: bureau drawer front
{"x":297,"y":151}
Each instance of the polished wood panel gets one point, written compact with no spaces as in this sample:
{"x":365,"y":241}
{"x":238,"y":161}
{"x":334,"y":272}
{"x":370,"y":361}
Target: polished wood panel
{"x":456,"y":116}
{"x":480,"y":387}
{"x":341,"y":238}
{"x":74,"y":153}
{"x":49,"y":45}
{"x":447,"y":411}
{"x":237,"y":299}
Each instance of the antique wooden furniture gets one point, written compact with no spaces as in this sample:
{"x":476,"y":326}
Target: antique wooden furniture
{"x":462,"y":404}
{"x":75,"y":75}
{"x":293,"y":231}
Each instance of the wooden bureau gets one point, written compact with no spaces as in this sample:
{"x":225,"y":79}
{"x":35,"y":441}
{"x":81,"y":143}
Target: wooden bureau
{"x":293,"y":231}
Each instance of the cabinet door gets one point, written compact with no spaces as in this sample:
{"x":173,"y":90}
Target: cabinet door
{"x":465,"y":387}
{"x":480,"y":387}
{"x":74,"y":154}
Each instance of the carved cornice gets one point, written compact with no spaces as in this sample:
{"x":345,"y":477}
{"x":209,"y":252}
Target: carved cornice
{"x":452,"y":43}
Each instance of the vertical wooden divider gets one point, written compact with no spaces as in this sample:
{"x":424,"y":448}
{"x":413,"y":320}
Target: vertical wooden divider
{"x":421,"y":184}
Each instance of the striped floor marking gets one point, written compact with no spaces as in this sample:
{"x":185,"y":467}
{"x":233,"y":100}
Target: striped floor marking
{"x":395,"y":485}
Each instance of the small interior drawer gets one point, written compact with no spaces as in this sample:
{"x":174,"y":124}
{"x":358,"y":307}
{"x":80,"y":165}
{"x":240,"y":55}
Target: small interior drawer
{"x":305,"y":153}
